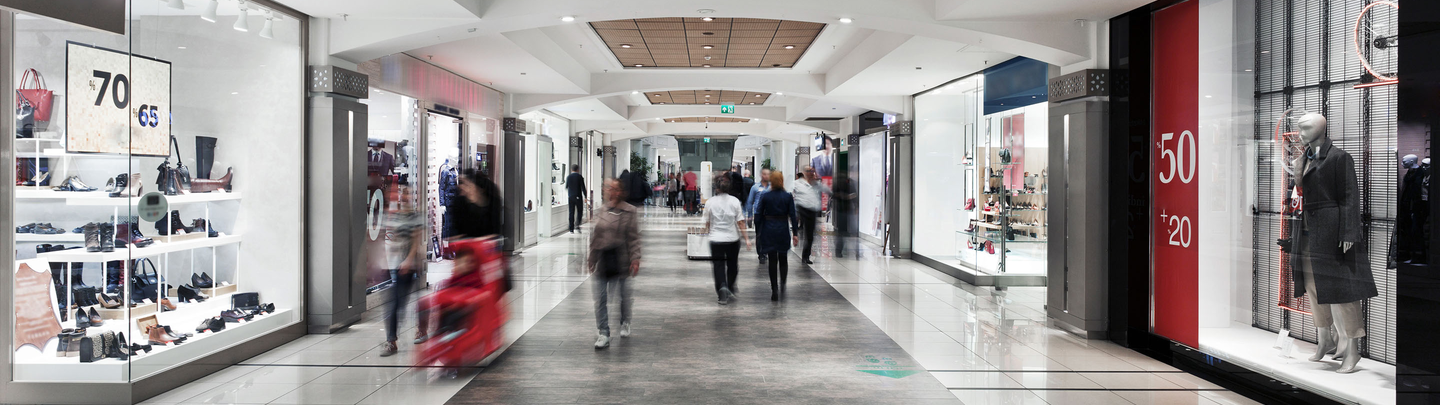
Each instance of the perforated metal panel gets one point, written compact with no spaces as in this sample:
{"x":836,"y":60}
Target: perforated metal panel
{"x":1305,"y":61}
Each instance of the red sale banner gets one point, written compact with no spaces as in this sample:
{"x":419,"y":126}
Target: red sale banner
{"x":1174,"y":266}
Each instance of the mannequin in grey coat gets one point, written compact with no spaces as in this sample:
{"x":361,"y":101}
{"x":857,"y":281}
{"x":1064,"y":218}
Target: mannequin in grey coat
{"x":1330,"y":249}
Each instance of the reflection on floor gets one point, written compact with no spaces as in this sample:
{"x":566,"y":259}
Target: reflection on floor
{"x":868,"y":330}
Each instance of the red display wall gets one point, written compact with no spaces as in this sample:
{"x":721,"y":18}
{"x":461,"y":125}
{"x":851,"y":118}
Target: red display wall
{"x":1174,"y":141}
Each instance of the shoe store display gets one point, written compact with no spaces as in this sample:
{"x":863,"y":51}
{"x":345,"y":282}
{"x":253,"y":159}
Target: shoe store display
{"x":128,"y":234}
{"x":235,"y":316}
{"x":202,"y":280}
{"x":212,"y":325}
{"x":205,"y":185}
{"x":107,"y":236}
{"x":92,"y":237}
{"x":128,"y":186}
{"x":73,"y":183}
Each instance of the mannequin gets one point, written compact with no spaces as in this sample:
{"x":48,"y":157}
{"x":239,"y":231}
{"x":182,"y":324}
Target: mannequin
{"x":1330,"y":248}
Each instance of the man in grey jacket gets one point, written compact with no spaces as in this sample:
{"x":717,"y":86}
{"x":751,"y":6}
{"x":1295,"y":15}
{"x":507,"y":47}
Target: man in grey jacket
{"x":807,"y":202}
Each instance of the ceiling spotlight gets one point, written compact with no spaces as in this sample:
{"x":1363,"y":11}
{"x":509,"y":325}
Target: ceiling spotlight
{"x":635,"y":92}
{"x":705,"y":10}
{"x":209,"y":14}
{"x":705,"y":66}
{"x":567,"y":18}
{"x":707,"y":95}
{"x":752,"y":103}
{"x":707,"y":57}
{"x":662,"y":103}
{"x":779,"y":93}
{"x":639,"y":65}
{"x":177,"y":4}
{"x":789,"y":46}
{"x":268,"y":31}
{"x":846,"y":20}
{"x":626,"y":46}
{"x":757,"y":95}
{"x":657,"y":95}
{"x":242,"y":23}
{"x":707,"y":46}
{"x":707,"y":19}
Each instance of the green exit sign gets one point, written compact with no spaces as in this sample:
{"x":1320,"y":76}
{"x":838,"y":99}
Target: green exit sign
{"x":727,"y":109}
{"x":707,"y":140}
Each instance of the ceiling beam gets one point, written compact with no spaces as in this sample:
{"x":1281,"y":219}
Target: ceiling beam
{"x":875,"y":47}
{"x":543,"y":48}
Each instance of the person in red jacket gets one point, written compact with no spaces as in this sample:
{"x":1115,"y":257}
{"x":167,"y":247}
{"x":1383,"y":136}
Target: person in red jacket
{"x":692,"y":193}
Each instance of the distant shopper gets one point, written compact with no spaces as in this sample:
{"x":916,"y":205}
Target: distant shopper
{"x":747,"y":182}
{"x":477,"y":212}
{"x":725,"y":222}
{"x":755,"y":192}
{"x":736,"y":180}
{"x":406,"y":262}
{"x":774,"y":208}
{"x":808,"y":192}
{"x":692,"y":192}
{"x":575,"y":185}
{"x":672,"y":185}
{"x":842,"y":206}
{"x":614,"y":258}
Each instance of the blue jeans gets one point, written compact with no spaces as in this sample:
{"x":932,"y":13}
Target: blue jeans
{"x":602,"y":286}
{"x":399,"y":294}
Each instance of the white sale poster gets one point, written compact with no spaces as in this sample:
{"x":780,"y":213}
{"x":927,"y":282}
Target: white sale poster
{"x":117,"y":102}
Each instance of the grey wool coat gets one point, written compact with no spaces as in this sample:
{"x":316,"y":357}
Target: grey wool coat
{"x":1330,"y":214}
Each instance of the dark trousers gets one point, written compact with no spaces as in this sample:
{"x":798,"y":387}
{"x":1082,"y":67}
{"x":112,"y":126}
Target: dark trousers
{"x":726,"y":258}
{"x":807,"y":227}
{"x":778,"y":268}
{"x":399,"y":294}
{"x":674,"y":200}
{"x":577,"y":210}
{"x":842,"y":233}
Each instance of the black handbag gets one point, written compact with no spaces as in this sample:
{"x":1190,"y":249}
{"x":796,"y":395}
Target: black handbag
{"x":173,"y":179}
{"x":24,"y":117}
{"x":144,"y":283}
{"x":245,"y":301}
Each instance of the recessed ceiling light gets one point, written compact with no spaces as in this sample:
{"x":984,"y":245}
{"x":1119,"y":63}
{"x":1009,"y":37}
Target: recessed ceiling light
{"x":639,"y":65}
{"x":707,"y":19}
{"x":705,"y":66}
{"x":662,"y":103}
{"x":752,"y":102}
{"x":635,"y":92}
{"x":707,"y":95}
{"x":779,"y":93}
{"x":846,"y":20}
{"x":234,"y":93}
{"x":626,"y":46}
{"x":182,"y":47}
{"x":707,"y":46}
{"x":567,"y":18}
{"x":705,"y":11}
{"x":1264,"y":51}
{"x":657,"y":95}
{"x":757,"y":95}
{"x":789,"y":46}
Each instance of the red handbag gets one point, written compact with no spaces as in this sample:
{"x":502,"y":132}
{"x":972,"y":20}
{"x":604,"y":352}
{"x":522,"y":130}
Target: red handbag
{"x":38,"y":97}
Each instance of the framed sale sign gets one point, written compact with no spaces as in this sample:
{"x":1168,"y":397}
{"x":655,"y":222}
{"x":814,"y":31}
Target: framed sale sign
{"x":116,"y":102}
{"x":1175,"y":116}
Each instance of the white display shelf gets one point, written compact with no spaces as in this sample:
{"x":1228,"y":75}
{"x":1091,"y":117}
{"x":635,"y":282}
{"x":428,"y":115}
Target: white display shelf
{"x":103,"y":199}
{"x":1254,"y":349}
{"x":63,"y":237}
{"x":159,"y":248}
{"x":61,"y":153}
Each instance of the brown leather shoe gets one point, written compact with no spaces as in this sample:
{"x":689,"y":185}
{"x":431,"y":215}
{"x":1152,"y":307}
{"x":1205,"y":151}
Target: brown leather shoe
{"x":205,"y":185}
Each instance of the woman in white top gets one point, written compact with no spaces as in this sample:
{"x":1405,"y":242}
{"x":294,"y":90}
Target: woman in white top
{"x":725,"y":220}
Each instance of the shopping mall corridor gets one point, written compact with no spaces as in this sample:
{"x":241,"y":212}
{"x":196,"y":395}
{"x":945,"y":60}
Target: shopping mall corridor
{"x":867,"y":330}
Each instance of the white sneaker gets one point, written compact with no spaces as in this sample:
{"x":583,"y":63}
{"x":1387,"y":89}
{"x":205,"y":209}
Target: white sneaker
{"x":625,"y":330}
{"x":602,"y":342}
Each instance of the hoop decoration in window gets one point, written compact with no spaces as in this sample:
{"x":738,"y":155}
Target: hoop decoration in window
{"x":1383,"y":38}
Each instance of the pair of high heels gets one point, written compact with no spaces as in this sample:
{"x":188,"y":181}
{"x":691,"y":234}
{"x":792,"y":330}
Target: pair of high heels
{"x":202,"y":280}
{"x":35,"y":181}
{"x":73,"y":183}
{"x":188,"y":293}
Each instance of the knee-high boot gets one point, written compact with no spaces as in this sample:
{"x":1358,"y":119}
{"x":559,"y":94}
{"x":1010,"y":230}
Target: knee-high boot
{"x":204,"y":156}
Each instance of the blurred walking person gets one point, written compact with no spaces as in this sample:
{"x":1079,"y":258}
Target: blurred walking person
{"x":475,"y":213}
{"x":404,"y":254}
{"x":808,"y":193}
{"x":771,"y":214}
{"x":725,"y":222}
{"x":757,"y":190}
{"x":842,"y":206}
{"x":614,"y":258}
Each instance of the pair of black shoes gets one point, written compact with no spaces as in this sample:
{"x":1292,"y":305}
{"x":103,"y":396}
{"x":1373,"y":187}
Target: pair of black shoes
{"x":202,"y":280}
{"x":188,"y":293}
{"x":99,"y":237}
{"x":235,"y":316}
{"x":212,"y":325}
{"x":85,"y":319}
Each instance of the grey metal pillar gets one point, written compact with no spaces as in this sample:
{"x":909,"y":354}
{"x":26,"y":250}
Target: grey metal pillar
{"x":514,"y":173}
{"x":900,"y":198}
{"x":335,"y":212}
{"x":1079,"y":211}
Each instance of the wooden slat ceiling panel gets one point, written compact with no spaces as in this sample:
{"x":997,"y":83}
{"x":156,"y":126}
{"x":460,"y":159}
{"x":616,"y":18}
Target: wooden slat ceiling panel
{"x":697,"y":97}
{"x":708,"y":119}
{"x":681,"y":41}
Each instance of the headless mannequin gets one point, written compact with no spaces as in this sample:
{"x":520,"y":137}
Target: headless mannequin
{"x":1344,"y":318}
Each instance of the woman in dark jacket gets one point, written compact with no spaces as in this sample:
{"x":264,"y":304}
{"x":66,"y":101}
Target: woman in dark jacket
{"x":770,"y":214}
{"x":477,"y":211}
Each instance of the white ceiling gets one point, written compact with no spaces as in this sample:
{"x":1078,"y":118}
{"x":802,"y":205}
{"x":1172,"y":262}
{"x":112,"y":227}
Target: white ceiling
{"x":498,"y":62}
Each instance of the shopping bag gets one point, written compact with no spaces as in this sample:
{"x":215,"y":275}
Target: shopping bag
{"x":32,"y":90}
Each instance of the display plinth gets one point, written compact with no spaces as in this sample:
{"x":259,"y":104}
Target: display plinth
{"x":136,"y":311}
{"x":220,"y":291}
{"x":1254,"y":349}
{"x":103,"y":199}
{"x":80,"y":255}
{"x":178,"y":238}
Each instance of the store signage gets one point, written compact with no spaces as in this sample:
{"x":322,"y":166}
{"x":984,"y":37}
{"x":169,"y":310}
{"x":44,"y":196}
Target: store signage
{"x":116,"y":102}
{"x":1174,"y":158}
{"x":152,"y":206}
{"x":104,"y":15}
{"x":727,"y":109}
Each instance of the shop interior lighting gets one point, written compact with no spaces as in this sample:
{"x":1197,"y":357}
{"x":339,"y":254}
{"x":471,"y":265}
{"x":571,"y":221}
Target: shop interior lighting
{"x":268,"y":31}
{"x":210,"y":9}
{"x":177,"y":4}
{"x":242,"y":23}
{"x":567,"y":18}
{"x":846,"y":20}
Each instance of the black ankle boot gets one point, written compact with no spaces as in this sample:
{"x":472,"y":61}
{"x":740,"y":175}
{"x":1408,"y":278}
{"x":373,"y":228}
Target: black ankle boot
{"x":92,"y":237}
{"x":107,"y":237}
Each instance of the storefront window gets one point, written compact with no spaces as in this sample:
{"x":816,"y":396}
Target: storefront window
{"x":981,"y":169}
{"x":1283,"y":194}
{"x":107,"y":245}
{"x":394,"y":174}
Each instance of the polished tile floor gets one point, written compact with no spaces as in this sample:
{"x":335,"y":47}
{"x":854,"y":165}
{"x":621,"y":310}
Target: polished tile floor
{"x":866,"y":330}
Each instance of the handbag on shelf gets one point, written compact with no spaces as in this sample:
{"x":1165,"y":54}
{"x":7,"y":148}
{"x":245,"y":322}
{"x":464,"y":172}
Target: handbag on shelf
{"x":145,"y":282}
{"x":24,"y":118}
{"x":245,"y":301}
{"x":173,"y":179}
{"x":40,"y":98}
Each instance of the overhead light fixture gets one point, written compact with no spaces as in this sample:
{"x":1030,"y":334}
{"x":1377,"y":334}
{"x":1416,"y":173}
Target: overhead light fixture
{"x":707,"y":46}
{"x":707,"y":19}
{"x":657,"y":95}
{"x":662,"y":103}
{"x":182,"y":47}
{"x":779,"y":93}
{"x":707,"y":96}
{"x":567,"y":18}
{"x":635,"y":92}
{"x":626,"y":46}
{"x":177,"y":4}
{"x":268,"y":31}
{"x":705,"y":66}
{"x":752,"y":103}
{"x":210,"y":9}
{"x":757,"y":95}
{"x":707,"y":33}
{"x":846,"y":20}
{"x":639,"y":65}
{"x":242,"y":23}
{"x":789,"y":46}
